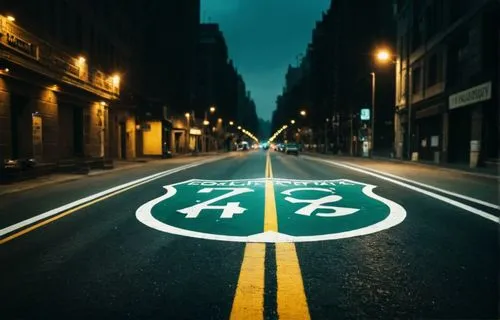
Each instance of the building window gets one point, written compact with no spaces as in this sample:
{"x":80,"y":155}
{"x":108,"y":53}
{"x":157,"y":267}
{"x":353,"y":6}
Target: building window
{"x":416,"y":37}
{"x":432,"y":70}
{"x":416,"y":80}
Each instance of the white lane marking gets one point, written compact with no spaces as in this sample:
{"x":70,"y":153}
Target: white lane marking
{"x":78,"y":202}
{"x":457,"y":204}
{"x":451,"y":193}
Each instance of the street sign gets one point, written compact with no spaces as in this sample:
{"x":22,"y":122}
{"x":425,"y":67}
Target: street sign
{"x":365,"y":114}
{"x":307,"y":210}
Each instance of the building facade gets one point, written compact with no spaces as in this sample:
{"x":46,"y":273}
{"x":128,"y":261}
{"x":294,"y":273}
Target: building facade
{"x":61,"y":78}
{"x":335,"y":78}
{"x":447,"y":81}
{"x":165,"y":62}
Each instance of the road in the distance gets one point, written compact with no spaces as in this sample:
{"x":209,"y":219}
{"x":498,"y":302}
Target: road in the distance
{"x":398,"y":250}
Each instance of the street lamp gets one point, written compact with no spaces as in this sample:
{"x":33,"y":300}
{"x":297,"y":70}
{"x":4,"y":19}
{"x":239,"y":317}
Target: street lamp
{"x":383,"y":55}
{"x":116,"y":80}
{"x":212,"y":109}
{"x":303,"y":113}
{"x":292,"y":121}
{"x":231,"y":123}
{"x":188,"y":129}
{"x":239,"y":127}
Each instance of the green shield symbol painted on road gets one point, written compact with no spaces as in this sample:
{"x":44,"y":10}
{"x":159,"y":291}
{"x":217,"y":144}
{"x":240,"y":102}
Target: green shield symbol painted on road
{"x":213,"y":209}
{"x":329,"y":209}
{"x":306,"y":210}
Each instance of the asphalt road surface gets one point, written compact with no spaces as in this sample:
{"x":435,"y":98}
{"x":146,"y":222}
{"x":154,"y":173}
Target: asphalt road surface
{"x":254,"y":235}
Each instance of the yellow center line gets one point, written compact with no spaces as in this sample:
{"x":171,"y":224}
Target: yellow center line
{"x":270,"y":213}
{"x":249,"y":298}
{"x":291,"y":297}
{"x":248,"y":301}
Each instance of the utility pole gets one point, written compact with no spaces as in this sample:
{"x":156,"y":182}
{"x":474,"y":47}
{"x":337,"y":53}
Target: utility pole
{"x":351,"y":134}
{"x":372,"y":147}
{"x":408,"y":101}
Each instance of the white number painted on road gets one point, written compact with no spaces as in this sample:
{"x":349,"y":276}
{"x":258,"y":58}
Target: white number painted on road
{"x":228,"y":210}
{"x":318,"y":204}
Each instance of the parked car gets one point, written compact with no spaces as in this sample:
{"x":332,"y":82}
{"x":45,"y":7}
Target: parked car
{"x":292,"y":148}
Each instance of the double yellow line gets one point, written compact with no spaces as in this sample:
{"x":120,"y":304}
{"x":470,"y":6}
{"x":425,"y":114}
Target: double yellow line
{"x":249,"y":298}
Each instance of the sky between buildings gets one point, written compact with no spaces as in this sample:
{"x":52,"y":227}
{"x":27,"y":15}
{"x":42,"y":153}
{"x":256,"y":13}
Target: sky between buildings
{"x":263,"y":38}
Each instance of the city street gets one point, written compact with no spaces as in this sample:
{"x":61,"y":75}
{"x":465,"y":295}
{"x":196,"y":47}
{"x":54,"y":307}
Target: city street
{"x":254,"y":235}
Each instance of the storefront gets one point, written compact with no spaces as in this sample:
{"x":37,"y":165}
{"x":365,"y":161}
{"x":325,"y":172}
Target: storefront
{"x":468,"y":127}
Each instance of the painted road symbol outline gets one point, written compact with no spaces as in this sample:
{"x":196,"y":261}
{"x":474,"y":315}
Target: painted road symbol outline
{"x":227,"y":202}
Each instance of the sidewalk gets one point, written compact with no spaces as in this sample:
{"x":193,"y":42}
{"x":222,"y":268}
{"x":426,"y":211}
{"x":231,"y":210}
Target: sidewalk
{"x":63,"y":177}
{"x":118,"y":165}
{"x":484,"y":172}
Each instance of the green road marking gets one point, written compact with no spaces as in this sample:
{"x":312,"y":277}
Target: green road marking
{"x":345,"y":208}
{"x":210,"y":218}
{"x":307,"y":210}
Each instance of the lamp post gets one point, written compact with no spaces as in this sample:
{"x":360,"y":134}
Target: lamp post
{"x":187,"y":115}
{"x":327,"y":122}
{"x":372,"y":146}
{"x":382,"y":56}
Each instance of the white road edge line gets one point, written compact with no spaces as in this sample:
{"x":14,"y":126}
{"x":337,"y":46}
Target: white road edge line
{"x":451,"y":193}
{"x":81,"y":201}
{"x":452,"y":202}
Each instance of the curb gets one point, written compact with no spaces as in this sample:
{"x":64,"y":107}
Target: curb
{"x":98,"y":172}
{"x":42,"y":184}
{"x":436,"y":167}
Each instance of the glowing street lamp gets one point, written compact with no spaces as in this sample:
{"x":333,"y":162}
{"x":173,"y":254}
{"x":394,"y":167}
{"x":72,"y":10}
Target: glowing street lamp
{"x":81,"y":60}
{"x":187,"y":115}
{"x":303,"y":113}
{"x":383,"y":55}
{"x":231,"y":123}
{"x":292,"y":121}
{"x":239,"y":127}
{"x":212,"y":109}
{"x":116,"y":80}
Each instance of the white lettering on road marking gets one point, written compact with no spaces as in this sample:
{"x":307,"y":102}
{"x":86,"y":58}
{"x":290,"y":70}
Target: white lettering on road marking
{"x":452,"y":202}
{"x":318,"y":204}
{"x":396,"y":215}
{"x":228,"y":210}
